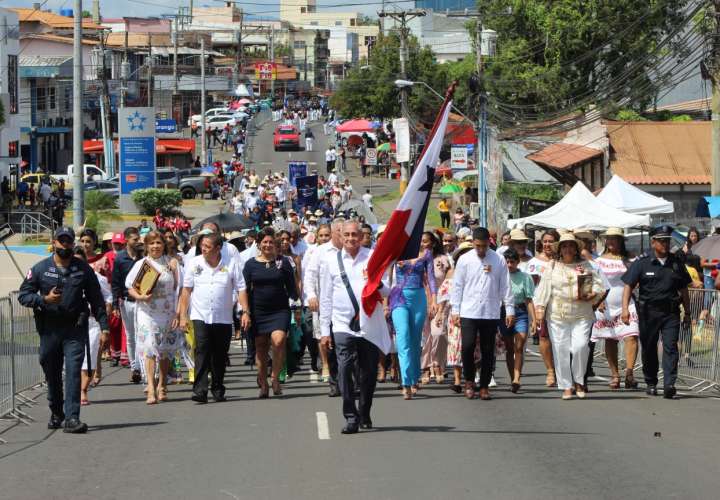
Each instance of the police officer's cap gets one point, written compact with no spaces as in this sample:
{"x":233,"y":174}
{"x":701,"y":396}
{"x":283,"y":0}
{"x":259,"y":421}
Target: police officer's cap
{"x":65,"y":231}
{"x":661,"y":232}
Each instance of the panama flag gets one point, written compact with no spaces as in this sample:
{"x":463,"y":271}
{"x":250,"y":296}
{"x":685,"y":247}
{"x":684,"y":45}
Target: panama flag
{"x":401,"y":238}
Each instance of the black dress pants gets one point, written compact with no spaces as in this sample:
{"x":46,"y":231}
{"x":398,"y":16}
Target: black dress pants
{"x":63,"y":346}
{"x":470,"y":330}
{"x":653,"y":323}
{"x":355,"y":351}
{"x":212,"y":342}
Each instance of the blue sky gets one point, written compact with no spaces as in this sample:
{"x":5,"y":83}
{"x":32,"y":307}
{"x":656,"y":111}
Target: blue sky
{"x":143,"y":8}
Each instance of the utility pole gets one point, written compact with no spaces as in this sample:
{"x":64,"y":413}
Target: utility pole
{"x":124,"y":71}
{"x":105,"y":114}
{"x":202,"y":100}
{"x":78,"y":163}
{"x":403,"y":17}
{"x":150,"y":68}
{"x":239,"y":51}
{"x":272,"y":58}
{"x":715,"y":78}
{"x":305,"y":66}
{"x":175,"y":56}
{"x":481,"y":127}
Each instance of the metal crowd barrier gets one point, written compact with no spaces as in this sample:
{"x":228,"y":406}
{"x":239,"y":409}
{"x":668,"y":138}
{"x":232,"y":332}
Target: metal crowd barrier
{"x":699,"y":345}
{"x":19,"y":357}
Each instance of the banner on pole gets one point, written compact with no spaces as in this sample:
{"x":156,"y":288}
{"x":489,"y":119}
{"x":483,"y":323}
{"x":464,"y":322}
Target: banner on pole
{"x":402,"y":139}
{"x":296,"y":169}
{"x":307,"y":191}
{"x":136,"y":127}
{"x":459,"y":157}
{"x":371,"y":157}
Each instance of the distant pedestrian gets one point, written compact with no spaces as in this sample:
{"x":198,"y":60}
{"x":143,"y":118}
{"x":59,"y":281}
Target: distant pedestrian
{"x":309,"y":139}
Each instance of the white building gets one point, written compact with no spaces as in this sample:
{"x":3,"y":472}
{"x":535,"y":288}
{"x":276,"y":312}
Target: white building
{"x":448,"y":37}
{"x":9,"y":92}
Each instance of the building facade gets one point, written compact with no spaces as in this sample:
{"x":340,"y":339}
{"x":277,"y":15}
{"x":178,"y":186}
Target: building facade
{"x":9,"y":92}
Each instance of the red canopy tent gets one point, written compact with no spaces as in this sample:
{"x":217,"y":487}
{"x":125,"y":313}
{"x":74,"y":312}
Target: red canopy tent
{"x":360,"y":125}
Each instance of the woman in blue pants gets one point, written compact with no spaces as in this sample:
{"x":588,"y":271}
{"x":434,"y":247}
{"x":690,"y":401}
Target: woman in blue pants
{"x":408,"y":301}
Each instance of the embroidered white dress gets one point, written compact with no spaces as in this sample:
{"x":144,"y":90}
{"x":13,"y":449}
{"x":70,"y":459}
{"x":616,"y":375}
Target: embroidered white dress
{"x":608,"y":324}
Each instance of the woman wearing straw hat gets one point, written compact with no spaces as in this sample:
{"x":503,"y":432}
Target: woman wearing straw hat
{"x":568,"y":309}
{"x":519,"y":243}
{"x":608,"y":322}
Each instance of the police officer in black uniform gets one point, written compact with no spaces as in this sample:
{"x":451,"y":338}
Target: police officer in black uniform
{"x":59,"y":290}
{"x":662,"y":280}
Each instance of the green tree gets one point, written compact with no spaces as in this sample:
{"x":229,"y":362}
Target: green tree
{"x":370,"y":89}
{"x":569,"y":54}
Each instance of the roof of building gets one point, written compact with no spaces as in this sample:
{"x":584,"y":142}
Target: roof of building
{"x":35,"y":61}
{"x":51,"y":19}
{"x":56,"y":38}
{"x":137,"y":39}
{"x":517,"y":168}
{"x":691,"y":106}
{"x":562,"y":156}
{"x":661,"y":152}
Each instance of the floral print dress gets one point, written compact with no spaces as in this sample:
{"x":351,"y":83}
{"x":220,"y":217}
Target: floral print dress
{"x":155,"y":337}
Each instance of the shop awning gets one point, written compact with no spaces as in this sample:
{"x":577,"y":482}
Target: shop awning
{"x":162,"y":146}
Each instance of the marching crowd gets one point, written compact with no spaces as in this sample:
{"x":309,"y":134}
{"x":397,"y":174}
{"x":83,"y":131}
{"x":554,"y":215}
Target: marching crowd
{"x":293,"y":284}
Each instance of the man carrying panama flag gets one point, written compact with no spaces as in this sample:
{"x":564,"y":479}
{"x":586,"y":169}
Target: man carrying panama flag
{"x":401,"y":238}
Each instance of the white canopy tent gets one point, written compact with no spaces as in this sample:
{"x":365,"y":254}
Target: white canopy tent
{"x":579,"y":208}
{"x":622,"y":195}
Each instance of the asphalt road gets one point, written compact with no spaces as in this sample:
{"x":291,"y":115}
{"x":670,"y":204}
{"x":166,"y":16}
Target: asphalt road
{"x":529,"y":445}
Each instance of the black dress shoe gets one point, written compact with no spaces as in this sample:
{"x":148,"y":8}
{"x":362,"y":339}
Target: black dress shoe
{"x":249,"y":362}
{"x":366,"y":423}
{"x":114,"y":362}
{"x":56,"y":421}
{"x":219,"y":397}
{"x":136,"y":377}
{"x":75,"y":426}
{"x":651,"y":390}
{"x":199,"y":398}
{"x":313,"y":365}
{"x":350,"y":429}
{"x":669,"y":392}
{"x":334,"y":392}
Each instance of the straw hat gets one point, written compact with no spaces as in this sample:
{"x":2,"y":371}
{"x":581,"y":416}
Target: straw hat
{"x":584,"y":234}
{"x":233,"y":235}
{"x":107,"y":236}
{"x":569,"y":237}
{"x":518,"y":235}
{"x":461,"y":249}
{"x":614,"y":231}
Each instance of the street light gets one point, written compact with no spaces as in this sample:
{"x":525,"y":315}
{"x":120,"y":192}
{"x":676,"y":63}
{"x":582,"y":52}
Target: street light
{"x":408,"y":83}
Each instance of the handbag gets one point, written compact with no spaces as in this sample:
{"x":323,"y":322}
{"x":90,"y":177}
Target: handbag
{"x":355,"y":321}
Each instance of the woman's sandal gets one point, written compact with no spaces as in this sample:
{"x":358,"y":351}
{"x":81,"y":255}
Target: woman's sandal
{"x":550,"y":380}
{"x":162,"y":394}
{"x":614,"y":383}
{"x":630,"y":382}
{"x":425,"y":379}
{"x":456,"y":388}
{"x":277,"y":390}
{"x":95,"y":381}
{"x":407,"y":393}
{"x":381,"y":376}
{"x":151,"y":399}
{"x":515,"y":387}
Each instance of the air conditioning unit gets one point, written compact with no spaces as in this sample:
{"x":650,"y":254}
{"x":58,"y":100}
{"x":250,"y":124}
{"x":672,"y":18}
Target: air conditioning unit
{"x":474,"y":210}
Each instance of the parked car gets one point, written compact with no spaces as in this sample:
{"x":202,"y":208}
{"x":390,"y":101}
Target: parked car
{"x":193,"y":185}
{"x":187,"y":172}
{"x":220,"y":121}
{"x":111,"y":188}
{"x":286,"y":136}
{"x":168,"y":177}
{"x":208,"y":114}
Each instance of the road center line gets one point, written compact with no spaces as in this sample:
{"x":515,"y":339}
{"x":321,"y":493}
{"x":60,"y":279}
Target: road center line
{"x":322,"y":425}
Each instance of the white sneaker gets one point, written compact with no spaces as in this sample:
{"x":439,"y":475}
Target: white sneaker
{"x":492,"y":383}
{"x":477,"y":378}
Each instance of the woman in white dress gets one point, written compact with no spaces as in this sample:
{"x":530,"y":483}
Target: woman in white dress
{"x":536,"y":268}
{"x":156,"y":319}
{"x":608,"y":323}
{"x":86,"y":376}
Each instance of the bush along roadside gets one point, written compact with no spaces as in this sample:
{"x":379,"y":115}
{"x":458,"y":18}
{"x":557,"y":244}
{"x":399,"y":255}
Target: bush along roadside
{"x":148,"y":200}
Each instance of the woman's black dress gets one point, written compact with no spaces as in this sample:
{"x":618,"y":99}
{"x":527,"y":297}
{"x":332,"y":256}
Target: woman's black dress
{"x":270,"y":286}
